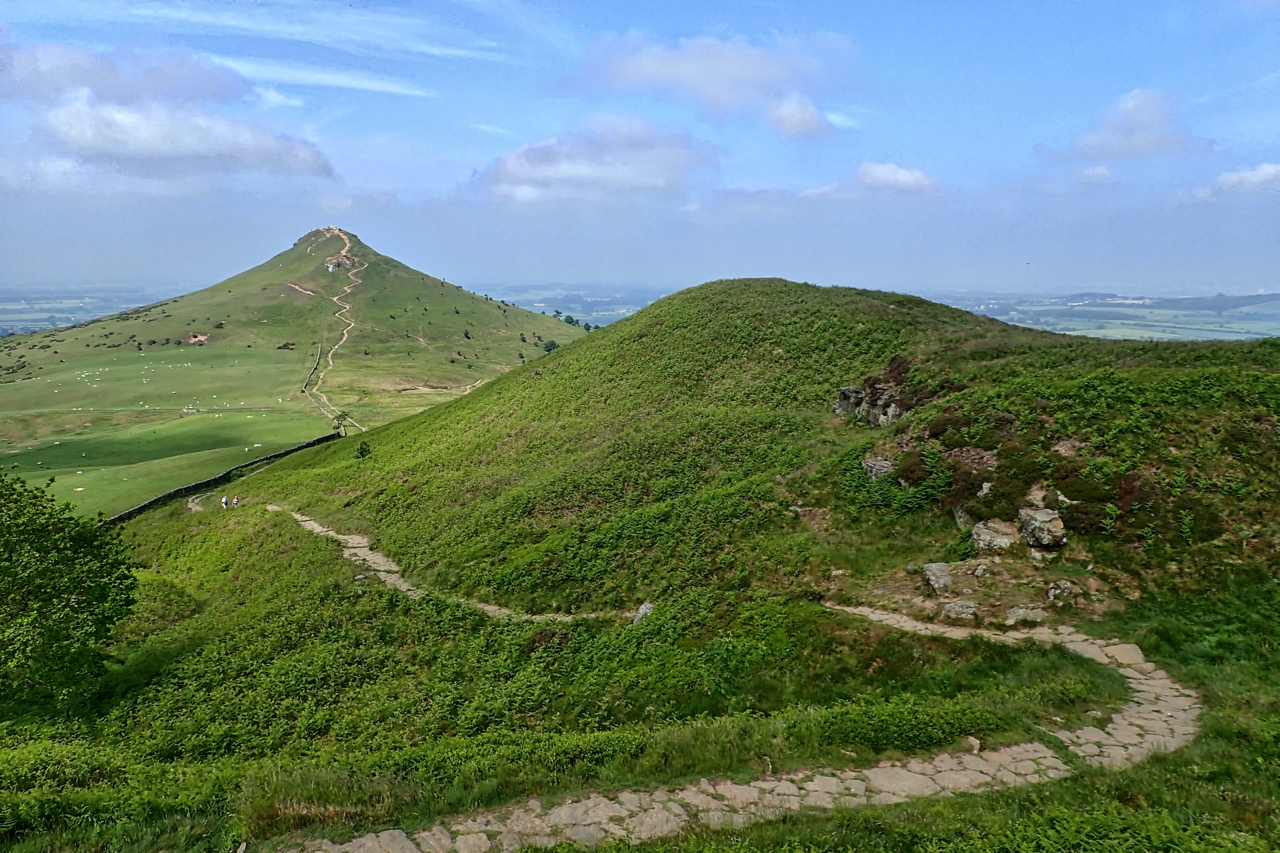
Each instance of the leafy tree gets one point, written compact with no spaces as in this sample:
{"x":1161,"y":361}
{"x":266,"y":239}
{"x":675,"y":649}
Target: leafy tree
{"x":568,"y":318}
{"x":65,"y":582}
{"x":363,"y":450}
{"x":466,"y":334}
{"x":550,"y":345}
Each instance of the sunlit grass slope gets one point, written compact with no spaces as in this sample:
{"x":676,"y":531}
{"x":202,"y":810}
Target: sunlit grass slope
{"x":245,"y":347}
{"x":689,"y":456}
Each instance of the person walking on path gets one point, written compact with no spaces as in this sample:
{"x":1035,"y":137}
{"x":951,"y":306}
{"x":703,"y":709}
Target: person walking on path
{"x":235,"y":502}
{"x":224,"y":501}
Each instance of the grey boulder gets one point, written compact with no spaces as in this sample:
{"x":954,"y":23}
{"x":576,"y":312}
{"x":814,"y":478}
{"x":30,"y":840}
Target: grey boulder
{"x":1043,"y":528}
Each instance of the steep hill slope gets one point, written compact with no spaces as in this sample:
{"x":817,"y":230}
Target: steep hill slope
{"x":216,"y":377}
{"x":689,"y":456}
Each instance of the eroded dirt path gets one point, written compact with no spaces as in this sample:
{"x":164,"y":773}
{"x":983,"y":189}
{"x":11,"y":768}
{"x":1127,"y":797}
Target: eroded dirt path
{"x":314,"y":393}
{"x":1161,"y":716}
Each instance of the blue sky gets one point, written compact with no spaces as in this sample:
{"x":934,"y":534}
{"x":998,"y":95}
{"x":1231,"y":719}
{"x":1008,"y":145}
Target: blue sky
{"x":920,"y":146}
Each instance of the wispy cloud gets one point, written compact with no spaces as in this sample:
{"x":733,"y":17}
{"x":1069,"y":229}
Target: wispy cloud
{"x":324,"y":23}
{"x":491,"y":129}
{"x":299,"y":74}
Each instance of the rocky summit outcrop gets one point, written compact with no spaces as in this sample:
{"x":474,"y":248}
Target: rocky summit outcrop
{"x":880,"y":404}
{"x":994,"y":535}
{"x":1043,"y":528}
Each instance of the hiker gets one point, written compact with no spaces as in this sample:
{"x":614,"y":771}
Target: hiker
{"x":224,"y":501}
{"x":235,"y":502}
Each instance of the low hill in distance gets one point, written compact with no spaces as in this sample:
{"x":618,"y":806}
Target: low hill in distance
{"x":1106,"y":315}
{"x":130,"y":405}
{"x":691,"y":457}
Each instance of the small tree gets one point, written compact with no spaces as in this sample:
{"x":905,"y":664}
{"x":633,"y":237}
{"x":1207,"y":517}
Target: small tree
{"x":363,"y":450}
{"x":550,"y":345}
{"x":65,"y":581}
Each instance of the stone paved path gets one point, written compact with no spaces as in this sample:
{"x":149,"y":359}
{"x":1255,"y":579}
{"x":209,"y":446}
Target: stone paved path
{"x":356,"y":549}
{"x":1161,"y":717}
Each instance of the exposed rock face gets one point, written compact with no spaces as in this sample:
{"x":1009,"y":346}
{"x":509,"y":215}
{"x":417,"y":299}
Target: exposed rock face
{"x":1043,"y":528}
{"x":994,"y":535}
{"x":876,"y":467}
{"x":972,"y":457}
{"x":960,"y":610}
{"x":1022,"y":613}
{"x":939,"y":577}
{"x":1060,"y":591}
{"x":643,"y":611}
{"x":878,"y":404}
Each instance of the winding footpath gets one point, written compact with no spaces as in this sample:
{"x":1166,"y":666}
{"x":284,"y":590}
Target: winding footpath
{"x":1161,"y":716}
{"x":344,"y":308}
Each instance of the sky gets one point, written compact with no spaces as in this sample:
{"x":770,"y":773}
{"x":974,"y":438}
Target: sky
{"x":1048,"y":147}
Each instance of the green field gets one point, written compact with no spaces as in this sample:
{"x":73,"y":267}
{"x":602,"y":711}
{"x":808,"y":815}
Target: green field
{"x":267,"y":690}
{"x":169,"y":392}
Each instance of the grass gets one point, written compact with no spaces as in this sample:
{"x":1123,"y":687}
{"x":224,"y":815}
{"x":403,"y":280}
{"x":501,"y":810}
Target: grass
{"x":130,"y":371}
{"x":688,"y":456}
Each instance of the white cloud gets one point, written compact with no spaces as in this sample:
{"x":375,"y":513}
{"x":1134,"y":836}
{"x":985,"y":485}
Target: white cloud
{"x":124,"y":116}
{"x":1141,"y":124}
{"x":298,"y":74}
{"x":1096,"y":175}
{"x":893,"y":176}
{"x":612,"y":155}
{"x":842,"y":121}
{"x":795,"y":115}
{"x":1262,"y":176}
{"x":723,"y":76}
{"x":269,"y":98}
{"x":176,"y":133}
{"x":491,"y":129}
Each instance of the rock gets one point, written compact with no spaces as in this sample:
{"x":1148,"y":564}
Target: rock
{"x":477,"y":842}
{"x":876,"y":467}
{"x":878,"y":404}
{"x":1061,"y":590}
{"x":644,"y":610}
{"x":1022,"y":613}
{"x":974,"y":458}
{"x":939,"y":577}
{"x":963,"y":520}
{"x":960,"y":610}
{"x":1043,"y":528}
{"x":395,"y":841}
{"x":986,"y":489}
{"x":994,"y":535}
{"x":654,"y":823}
{"x":980,"y":571}
{"x":435,"y":840}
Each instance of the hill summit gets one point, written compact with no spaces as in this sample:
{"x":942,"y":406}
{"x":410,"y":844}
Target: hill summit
{"x":327,"y":329}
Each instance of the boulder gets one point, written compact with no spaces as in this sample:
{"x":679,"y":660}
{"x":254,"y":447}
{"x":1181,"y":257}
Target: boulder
{"x":994,"y":535}
{"x":643,"y":611}
{"x":1062,"y":590}
{"x":1022,"y":613}
{"x":939,"y":577}
{"x":1043,"y":528}
{"x":876,"y":467}
{"x":960,"y":610}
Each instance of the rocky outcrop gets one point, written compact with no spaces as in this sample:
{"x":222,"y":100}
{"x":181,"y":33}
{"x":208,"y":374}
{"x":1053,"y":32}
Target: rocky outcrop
{"x":878,"y":404}
{"x":994,"y":535}
{"x":1043,"y":528}
{"x":938,"y":575}
{"x":1022,"y":613}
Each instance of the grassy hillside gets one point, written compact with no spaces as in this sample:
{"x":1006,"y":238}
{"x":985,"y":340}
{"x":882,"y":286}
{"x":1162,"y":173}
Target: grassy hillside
{"x":193,"y":384}
{"x":689,"y":456}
